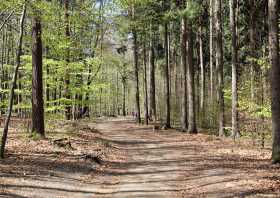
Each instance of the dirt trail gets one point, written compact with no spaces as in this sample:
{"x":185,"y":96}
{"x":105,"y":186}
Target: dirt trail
{"x":157,"y":164}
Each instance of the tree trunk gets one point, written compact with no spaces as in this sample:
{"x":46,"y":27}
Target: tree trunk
{"x":124,"y":97}
{"x":47,"y":86}
{"x":152,"y":90}
{"x":219,"y":64}
{"x":234,"y":62}
{"x":202,"y":75}
{"x":184,"y":116}
{"x":146,"y":120}
{"x":67,"y":77}
{"x":19,"y":97}
{"x":211,"y":45}
{"x":37,"y":79}
{"x":2,"y":70}
{"x":252,"y":32}
{"x":14,"y":82}
{"x":86,"y":106}
{"x":273,"y":6}
{"x":190,"y":81}
{"x":136,"y":77}
{"x":117,"y":97}
{"x":166,"y":79}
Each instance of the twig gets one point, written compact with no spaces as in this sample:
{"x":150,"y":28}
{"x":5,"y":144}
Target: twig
{"x":5,"y":21}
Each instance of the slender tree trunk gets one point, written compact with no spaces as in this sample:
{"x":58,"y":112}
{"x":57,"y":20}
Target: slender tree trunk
{"x":136,"y":76}
{"x":146,"y":87}
{"x":152,"y":90}
{"x":273,"y":6}
{"x":37,"y":79}
{"x":55,"y":96}
{"x":202,"y":75}
{"x":184,"y":116}
{"x":166,"y":79}
{"x":252,"y":32}
{"x":3,"y":70}
{"x":190,"y":81}
{"x":19,"y":98}
{"x":124,"y":96}
{"x":100,"y":102}
{"x":14,"y":82}
{"x":86,"y":106}
{"x":219,"y":64}
{"x":67,"y":77}
{"x":47,"y":86}
{"x":234,"y":62}
{"x":136,"y":71}
{"x":117,"y":98}
{"x":211,"y":45}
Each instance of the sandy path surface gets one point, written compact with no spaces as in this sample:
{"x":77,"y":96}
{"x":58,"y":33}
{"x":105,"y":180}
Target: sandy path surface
{"x":156,"y":164}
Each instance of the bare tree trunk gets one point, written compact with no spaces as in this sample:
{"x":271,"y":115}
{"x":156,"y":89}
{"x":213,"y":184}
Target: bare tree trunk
{"x":136,"y":76}
{"x":184,"y":115}
{"x":166,"y":79}
{"x":14,"y":82}
{"x":2,"y":69}
{"x":152,"y":90}
{"x":124,"y":97}
{"x":190,"y":81}
{"x":19,"y":97}
{"x":252,"y":48}
{"x":67,"y":77}
{"x":117,"y":97}
{"x":273,"y":12}
{"x":219,"y":64}
{"x":136,"y":70}
{"x":202,"y":75}
{"x":211,"y":51}
{"x":37,"y":79}
{"x":146,"y":86}
{"x":86,"y":106}
{"x":234,"y":62}
{"x":47,"y":86}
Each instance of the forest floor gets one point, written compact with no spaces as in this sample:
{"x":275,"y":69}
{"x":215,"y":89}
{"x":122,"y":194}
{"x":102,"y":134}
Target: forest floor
{"x":135,"y":162}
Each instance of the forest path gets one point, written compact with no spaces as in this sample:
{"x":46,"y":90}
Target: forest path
{"x":154,"y":164}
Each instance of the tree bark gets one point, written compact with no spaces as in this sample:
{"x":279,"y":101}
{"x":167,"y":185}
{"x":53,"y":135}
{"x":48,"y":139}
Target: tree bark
{"x":202,"y":74}
{"x":47,"y":86}
{"x":211,"y":45}
{"x":166,"y":78}
{"x":190,"y":81}
{"x":136,"y":77}
{"x":67,"y":59}
{"x":184,"y":115}
{"x":136,"y":70}
{"x":14,"y":82}
{"x":219,"y":64}
{"x":273,"y":6}
{"x":152,"y":90}
{"x":2,"y":69}
{"x":124,"y":96}
{"x":37,"y":79}
{"x":146,"y":118}
{"x":252,"y":32}
{"x":234,"y":62}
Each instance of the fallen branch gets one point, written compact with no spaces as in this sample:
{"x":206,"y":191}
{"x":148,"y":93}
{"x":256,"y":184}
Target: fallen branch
{"x":63,"y":143}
